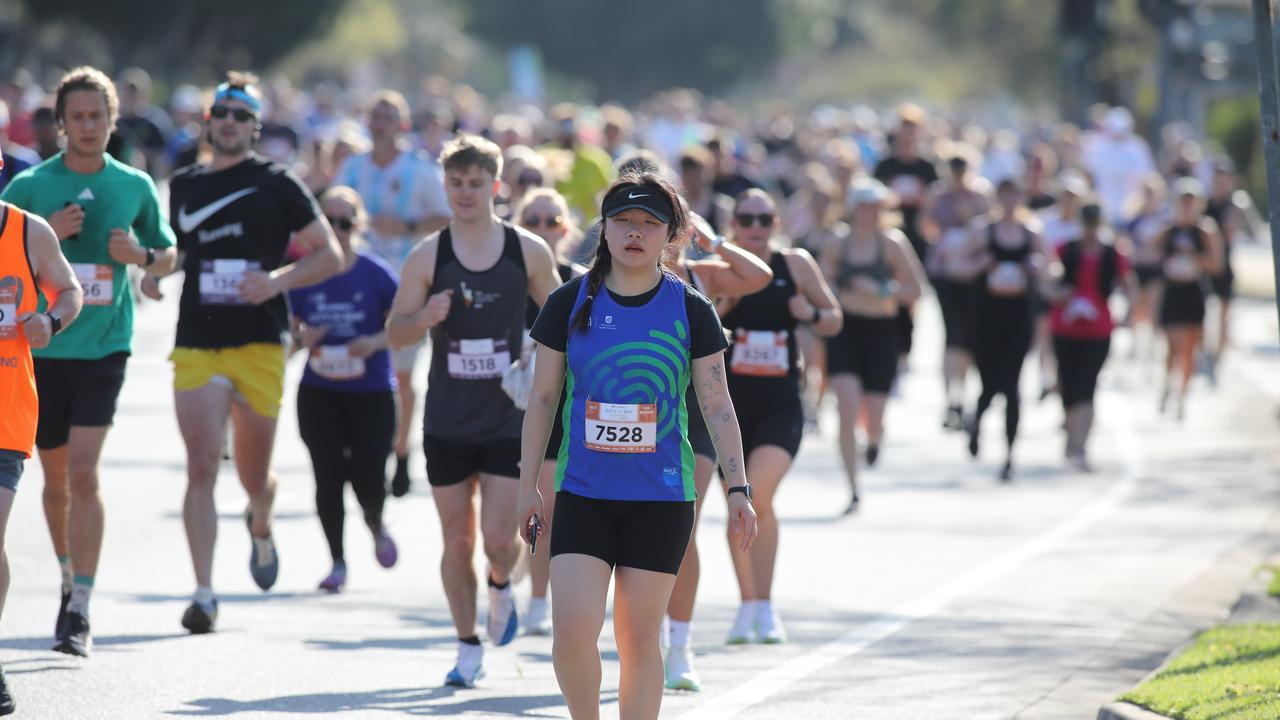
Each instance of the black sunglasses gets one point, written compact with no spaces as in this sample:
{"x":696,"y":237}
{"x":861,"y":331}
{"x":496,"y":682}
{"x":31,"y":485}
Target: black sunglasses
{"x":551,"y":222}
{"x":240,"y":114}
{"x":341,"y":223}
{"x":530,"y":178}
{"x":747,"y":219}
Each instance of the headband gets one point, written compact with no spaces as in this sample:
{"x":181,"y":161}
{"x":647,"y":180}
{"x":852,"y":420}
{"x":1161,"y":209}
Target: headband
{"x":227,"y":92}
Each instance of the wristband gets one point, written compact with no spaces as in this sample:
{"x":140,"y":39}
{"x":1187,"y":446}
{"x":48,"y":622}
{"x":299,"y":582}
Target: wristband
{"x":716,"y":242}
{"x":151,"y":257}
{"x":817,"y":316}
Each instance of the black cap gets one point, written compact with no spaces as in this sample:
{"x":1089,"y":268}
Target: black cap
{"x":630,"y":196}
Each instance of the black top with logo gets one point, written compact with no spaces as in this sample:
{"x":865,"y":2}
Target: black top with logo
{"x":229,"y":222}
{"x":478,"y":340}
{"x":764,"y":358}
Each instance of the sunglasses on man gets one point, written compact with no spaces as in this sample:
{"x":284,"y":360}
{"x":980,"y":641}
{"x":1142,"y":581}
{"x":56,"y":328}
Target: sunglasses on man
{"x":748,"y":219}
{"x":240,"y":114}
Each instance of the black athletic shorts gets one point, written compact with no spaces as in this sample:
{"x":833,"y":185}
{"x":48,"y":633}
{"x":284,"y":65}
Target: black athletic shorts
{"x":646,"y":535}
{"x":866,"y":347}
{"x":1148,"y":274}
{"x":450,"y":462}
{"x":770,"y":412}
{"x":1079,"y":363}
{"x":76,"y":392}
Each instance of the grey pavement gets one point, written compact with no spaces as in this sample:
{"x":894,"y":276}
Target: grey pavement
{"x":948,"y":596}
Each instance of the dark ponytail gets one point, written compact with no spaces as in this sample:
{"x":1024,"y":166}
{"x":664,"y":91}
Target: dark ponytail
{"x":676,"y":231}
{"x":595,"y":282}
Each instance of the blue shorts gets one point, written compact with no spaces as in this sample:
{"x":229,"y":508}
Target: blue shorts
{"x":11,"y":462}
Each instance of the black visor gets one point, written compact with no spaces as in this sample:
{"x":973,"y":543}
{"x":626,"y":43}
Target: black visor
{"x":631,"y":196}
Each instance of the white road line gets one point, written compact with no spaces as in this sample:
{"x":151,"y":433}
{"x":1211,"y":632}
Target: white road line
{"x":863,"y":636}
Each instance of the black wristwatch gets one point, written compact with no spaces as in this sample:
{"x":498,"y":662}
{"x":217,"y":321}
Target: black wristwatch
{"x":817,"y":316}
{"x":151,"y":257}
{"x":744,"y":489}
{"x":55,"y":322}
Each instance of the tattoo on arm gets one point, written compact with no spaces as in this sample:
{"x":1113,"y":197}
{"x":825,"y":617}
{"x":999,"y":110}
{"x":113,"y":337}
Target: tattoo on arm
{"x":726,"y":416}
{"x":733,"y":464}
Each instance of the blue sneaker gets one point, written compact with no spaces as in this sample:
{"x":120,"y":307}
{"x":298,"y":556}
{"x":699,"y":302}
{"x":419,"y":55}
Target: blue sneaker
{"x":503,"y":621}
{"x":264,"y":561}
{"x":470,"y":667}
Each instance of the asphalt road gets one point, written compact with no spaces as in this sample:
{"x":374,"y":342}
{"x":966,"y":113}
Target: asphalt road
{"x":948,"y":596}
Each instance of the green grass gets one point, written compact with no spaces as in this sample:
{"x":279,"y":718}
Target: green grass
{"x":1274,"y":588}
{"x":1230,"y":673}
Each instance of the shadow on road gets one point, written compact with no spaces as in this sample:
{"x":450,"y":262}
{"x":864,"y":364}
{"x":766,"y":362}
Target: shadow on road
{"x":409,"y":701}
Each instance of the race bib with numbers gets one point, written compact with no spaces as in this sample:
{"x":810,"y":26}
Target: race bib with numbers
{"x":8,"y":312}
{"x":95,"y":281}
{"x":618,"y":428}
{"x":220,"y":281}
{"x":480,"y":359}
{"x":760,"y":353}
{"x":335,"y":362}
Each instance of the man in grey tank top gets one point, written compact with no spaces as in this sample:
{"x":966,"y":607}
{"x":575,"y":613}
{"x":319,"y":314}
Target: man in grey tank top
{"x":467,"y":285}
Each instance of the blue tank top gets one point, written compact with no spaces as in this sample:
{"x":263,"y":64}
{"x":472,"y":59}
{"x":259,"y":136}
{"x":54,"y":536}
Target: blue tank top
{"x":626,"y":419}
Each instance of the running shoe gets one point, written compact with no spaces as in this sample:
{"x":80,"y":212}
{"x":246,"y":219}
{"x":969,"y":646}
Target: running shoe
{"x":954,"y":419}
{"x":873,"y":454}
{"x":743,"y":631}
{"x":1006,"y":473}
{"x":336,"y":580}
{"x":384,"y":550}
{"x":264,"y":561}
{"x":503,"y":619}
{"x":537,"y":621}
{"x":972,"y":428}
{"x":198,"y":619}
{"x":470,"y":667}
{"x":7,"y":705}
{"x":61,"y":622}
{"x":679,"y":670}
{"x":75,"y":639}
{"x":768,"y":627}
{"x":854,"y":503}
{"x":400,"y":481}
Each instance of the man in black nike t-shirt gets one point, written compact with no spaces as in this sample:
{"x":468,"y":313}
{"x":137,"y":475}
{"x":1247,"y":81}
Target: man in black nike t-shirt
{"x":234,"y":219}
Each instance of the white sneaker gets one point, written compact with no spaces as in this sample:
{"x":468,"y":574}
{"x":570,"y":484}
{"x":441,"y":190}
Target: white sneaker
{"x":679,"y":670}
{"x":470,"y":667}
{"x":768,"y":626}
{"x":743,"y":631}
{"x":536,"y":620}
{"x":503,"y":619}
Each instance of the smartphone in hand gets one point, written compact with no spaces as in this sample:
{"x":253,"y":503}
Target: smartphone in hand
{"x":533,"y":530}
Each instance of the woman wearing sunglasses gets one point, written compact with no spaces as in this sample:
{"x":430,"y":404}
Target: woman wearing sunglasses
{"x":726,"y":271}
{"x":873,"y":271}
{"x":346,"y":402}
{"x":764,"y":381}
{"x":545,"y":213}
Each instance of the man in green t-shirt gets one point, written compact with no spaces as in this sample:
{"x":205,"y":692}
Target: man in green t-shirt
{"x":106,"y":216}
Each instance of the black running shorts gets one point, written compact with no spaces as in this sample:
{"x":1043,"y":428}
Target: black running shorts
{"x":646,"y":535}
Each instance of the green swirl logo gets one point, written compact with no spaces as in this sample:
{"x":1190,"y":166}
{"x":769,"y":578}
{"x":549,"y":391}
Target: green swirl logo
{"x":646,"y":371}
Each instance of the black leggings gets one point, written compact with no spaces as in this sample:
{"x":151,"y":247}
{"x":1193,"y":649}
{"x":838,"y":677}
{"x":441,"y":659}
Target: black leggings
{"x":349,"y":436}
{"x":1002,"y":339}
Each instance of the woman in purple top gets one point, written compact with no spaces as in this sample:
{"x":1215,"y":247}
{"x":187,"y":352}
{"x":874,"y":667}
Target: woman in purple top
{"x":346,"y":402}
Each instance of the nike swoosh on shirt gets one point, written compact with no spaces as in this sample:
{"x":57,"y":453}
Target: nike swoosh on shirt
{"x":190,"y":221}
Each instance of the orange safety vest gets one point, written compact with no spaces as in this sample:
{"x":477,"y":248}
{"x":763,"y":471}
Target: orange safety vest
{"x":19,"y":405}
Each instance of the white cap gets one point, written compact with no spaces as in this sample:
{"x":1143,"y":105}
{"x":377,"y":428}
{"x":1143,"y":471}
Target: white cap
{"x":1118,"y":120}
{"x":866,"y":191}
{"x":1187,"y":186}
{"x":1074,"y":185}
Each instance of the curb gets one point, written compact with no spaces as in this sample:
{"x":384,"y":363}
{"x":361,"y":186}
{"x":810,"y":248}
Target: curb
{"x":1125,"y":711}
